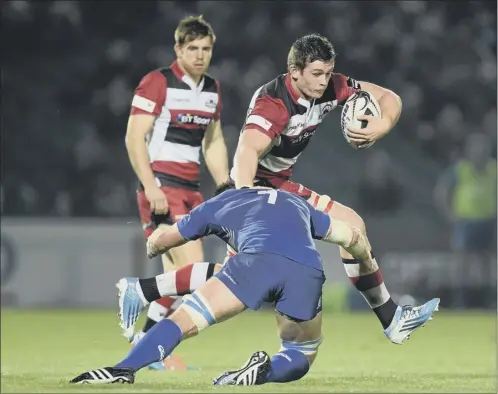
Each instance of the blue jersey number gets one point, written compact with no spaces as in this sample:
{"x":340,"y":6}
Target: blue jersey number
{"x":272,"y":195}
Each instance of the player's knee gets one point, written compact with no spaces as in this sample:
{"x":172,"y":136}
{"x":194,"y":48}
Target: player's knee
{"x":199,"y":312}
{"x":349,"y":216}
{"x":357,"y":221}
{"x":308,"y":348}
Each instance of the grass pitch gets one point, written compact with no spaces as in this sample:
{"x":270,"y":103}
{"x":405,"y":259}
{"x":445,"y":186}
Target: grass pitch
{"x":41,"y":350}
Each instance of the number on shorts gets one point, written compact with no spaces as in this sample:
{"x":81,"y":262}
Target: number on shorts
{"x":272,"y":195}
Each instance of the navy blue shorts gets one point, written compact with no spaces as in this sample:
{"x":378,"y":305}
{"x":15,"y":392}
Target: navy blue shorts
{"x":296,"y":289}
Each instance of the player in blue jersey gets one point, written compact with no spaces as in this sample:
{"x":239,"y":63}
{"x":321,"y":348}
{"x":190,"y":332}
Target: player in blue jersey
{"x":273,"y":233}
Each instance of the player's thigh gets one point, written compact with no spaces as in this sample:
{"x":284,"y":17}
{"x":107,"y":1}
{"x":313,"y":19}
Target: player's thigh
{"x":321,"y":202}
{"x":348,"y":215}
{"x":213,"y":303}
{"x":325,"y":204}
{"x":181,"y":202}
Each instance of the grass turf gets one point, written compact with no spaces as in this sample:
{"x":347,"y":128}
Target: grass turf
{"x":41,"y":350}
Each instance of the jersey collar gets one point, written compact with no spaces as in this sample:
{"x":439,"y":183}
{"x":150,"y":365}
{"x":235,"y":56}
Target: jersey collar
{"x":295,"y":95}
{"x":177,"y":70}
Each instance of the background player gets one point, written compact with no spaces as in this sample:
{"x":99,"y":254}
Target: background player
{"x":277,"y":262}
{"x":283,"y":115}
{"x":177,"y":109}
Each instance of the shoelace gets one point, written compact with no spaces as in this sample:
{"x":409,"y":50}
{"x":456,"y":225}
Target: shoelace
{"x":410,"y":312}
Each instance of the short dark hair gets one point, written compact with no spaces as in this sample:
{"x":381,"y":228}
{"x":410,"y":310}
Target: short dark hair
{"x":228,"y":185}
{"x":192,"y":28}
{"x":223,"y":187}
{"x":308,"y":49}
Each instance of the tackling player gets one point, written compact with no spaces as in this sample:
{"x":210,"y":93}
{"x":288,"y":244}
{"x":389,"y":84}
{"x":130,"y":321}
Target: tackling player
{"x":277,"y":261}
{"x":176,"y":111}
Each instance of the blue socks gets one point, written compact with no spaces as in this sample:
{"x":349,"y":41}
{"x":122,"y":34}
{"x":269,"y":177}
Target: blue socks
{"x":164,"y":337}
{"x":287,"y":366}
{"x":159,"y":342}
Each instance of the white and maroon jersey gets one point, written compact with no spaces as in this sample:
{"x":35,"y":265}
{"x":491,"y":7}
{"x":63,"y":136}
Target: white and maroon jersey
{"x":183,"y":112}
{"x":290,"y":121}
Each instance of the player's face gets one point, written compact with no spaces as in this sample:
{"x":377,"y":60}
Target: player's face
{"x":313,"y":79}
{"x":195,"y":55}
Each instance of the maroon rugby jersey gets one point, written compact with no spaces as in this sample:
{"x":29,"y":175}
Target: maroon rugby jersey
{"x":290,"y":121}
{"x":183,"y":112}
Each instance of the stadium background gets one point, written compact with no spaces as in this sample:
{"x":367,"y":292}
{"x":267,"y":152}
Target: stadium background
{"x":70,"y":226}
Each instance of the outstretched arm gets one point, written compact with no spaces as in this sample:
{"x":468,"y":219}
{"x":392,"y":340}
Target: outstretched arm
{"x":350,"y":238}
{"x":339,"y":233}
{"x":252,"y":144}
{"x":163,"y":239}
{"x":192,"y":226}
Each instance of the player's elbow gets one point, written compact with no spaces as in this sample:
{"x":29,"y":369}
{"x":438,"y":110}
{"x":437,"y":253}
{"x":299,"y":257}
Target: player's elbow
{"x":393,"y":99}
{"x":397,"y":99}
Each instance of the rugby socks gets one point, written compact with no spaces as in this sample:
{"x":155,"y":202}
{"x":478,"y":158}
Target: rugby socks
{"x":287,"y":366}
{"x":171,"y":284}
{"x":159,"y":342}
{"x":367,"y":278}
{"x":179,"y":282}
{"x":160,"y":309}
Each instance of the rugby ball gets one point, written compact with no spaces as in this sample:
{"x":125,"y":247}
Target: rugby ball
{"x":360,"y":103}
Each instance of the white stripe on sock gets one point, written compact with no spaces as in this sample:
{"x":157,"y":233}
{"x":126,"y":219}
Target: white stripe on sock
{"x":166,"y":283}
{"x":355,"y":270}
{"x":177,"y":303}
{"x":198,"y":276}
{"x":156,"y":311}
{"x":140,"y":293}
{"x":377,"y":296}
{"x":352,"y":270}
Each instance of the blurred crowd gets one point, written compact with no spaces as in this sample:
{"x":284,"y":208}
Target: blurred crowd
{"x":69,"y":74}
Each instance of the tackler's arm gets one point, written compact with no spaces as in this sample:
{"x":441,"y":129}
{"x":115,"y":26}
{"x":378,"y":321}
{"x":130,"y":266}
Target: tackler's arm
{"x":163,"y":239}
{"x":350,"y":238}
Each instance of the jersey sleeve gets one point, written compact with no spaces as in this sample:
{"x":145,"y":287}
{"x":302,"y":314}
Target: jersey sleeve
{"x":150,"y":94}
{"x":344,"y":87}
{"x":269,"y":116}
{"x":196,"y":224}
{"x":320,"y":223}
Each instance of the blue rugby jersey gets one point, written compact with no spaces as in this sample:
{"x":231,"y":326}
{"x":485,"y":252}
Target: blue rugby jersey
{"x":260,"y":221}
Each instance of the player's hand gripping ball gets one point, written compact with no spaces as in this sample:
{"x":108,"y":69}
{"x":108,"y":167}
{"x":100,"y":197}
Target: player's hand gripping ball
{"x":354,"y":115}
